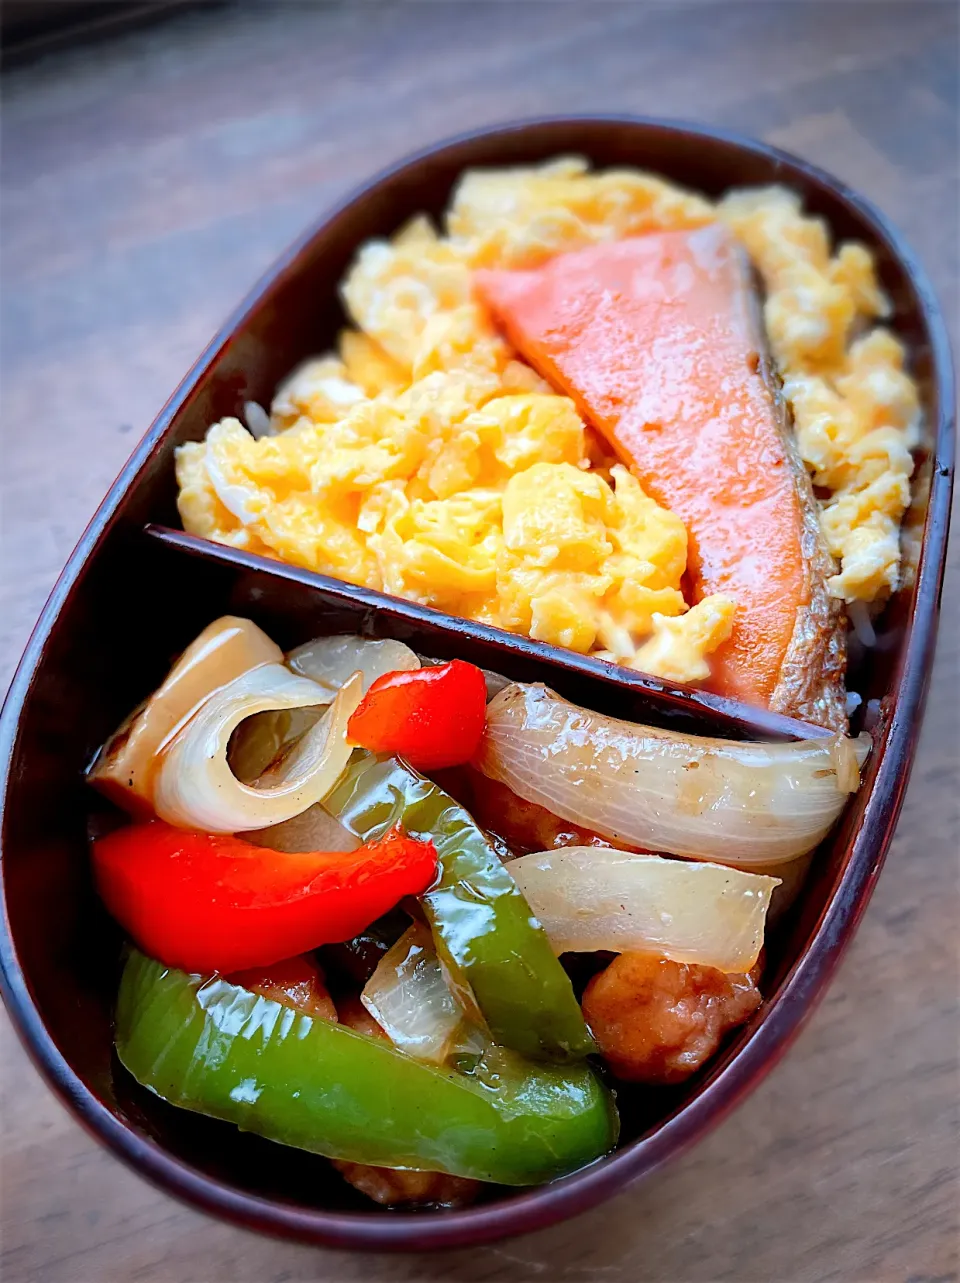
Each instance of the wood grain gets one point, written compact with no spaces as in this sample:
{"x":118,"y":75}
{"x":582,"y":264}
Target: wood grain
{"x":146,"y":182}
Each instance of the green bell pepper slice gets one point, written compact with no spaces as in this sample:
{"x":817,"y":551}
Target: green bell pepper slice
{"x":496,"y":954}
{"x":213,"y":1047}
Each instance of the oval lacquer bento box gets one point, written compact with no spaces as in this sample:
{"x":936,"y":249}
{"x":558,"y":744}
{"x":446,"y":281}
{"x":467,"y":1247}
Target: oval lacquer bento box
{"x":136,"y":590}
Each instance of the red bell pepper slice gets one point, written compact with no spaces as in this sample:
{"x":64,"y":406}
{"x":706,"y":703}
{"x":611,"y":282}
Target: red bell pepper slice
{"x":433,"y":717}
{"x":212,"y":902}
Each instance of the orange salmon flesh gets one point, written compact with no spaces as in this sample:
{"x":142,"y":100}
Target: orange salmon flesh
{"x":657,"y":340}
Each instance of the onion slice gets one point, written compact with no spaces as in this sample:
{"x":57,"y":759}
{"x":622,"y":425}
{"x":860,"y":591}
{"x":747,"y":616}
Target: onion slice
{"x":265,"y":738}
{"x":409,"y":998}
{"x":315,"y":829}
{"x":125,"y":768}
{"x":737,"y":803}
{"x":329,"y":661}
{"x":195,"y":786}
{"x":591,"y":898}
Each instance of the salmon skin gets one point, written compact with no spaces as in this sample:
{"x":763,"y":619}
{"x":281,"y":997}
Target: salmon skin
{"x":659,"y":340}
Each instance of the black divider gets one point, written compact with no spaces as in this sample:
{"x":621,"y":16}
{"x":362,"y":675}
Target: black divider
{"x":294,"y":604}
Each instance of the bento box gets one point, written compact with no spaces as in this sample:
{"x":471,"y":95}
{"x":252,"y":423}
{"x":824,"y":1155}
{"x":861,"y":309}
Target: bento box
{"x":138,"y":588}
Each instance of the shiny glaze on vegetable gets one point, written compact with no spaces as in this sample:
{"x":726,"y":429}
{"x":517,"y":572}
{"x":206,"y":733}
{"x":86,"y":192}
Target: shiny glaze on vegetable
{"x":736,"y":802}
{"x":211,"y":1046}
{"x":496,"y":954}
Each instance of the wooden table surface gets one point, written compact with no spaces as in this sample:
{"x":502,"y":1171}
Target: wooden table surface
{"x":146,"y":183}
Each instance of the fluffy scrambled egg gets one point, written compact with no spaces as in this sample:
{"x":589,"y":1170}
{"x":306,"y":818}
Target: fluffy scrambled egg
{"x":465,"y":496}
{"x":519,"y":217}
{"x":425,"y":459}
{"x":855,"y":407}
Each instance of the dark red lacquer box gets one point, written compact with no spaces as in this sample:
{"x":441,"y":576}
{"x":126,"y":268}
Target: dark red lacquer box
{"x":136,"y":591}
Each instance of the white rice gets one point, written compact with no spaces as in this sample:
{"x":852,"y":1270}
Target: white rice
{"x":861,"y":623}
{"x":258,"y":421}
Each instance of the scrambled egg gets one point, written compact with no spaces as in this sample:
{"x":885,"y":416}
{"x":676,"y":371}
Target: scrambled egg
{"x":855,"y":408}
{"x":463,"y":495}
{"x":520,"y":217}
{"x":425,"y":459}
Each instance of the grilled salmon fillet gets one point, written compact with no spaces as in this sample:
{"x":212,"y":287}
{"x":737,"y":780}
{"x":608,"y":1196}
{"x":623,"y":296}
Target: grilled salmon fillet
{"x":659,"y":341}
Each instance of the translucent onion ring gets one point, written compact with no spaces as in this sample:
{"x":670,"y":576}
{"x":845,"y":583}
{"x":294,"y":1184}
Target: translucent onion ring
{"x":195,"y":787}
{"x":589,"y":898}
{"x":329,"y":661}
{"x":737,"y":803}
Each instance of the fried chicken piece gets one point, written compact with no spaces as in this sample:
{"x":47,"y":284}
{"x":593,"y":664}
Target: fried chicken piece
{"x":392,"y":1186}
{"x":296,"y":982}
{"x":658,"y":1021}
{"x":355,"y":1016}
{"x":523,"y":826}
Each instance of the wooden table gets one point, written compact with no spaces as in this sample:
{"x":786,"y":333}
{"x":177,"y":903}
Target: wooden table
{"x":147,"y":181}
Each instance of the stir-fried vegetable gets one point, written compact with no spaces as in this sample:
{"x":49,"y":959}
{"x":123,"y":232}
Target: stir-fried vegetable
{"x":305,"y":842}
{"x":329,"y":661}
{"x":216,"y":1048}
{"x":433,"y":718}
{"x":126,"y":765}
{"x":495,"y":953}
{"x":209,"y":902}
{"x":394,"y":1186}
{"x":314,"y":829}
{"x":410,"y":1000}
{"x":736,"y":803}
{"x":263,"y":740}
{"x":590,"y":898}
{"x":195,"y":786}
